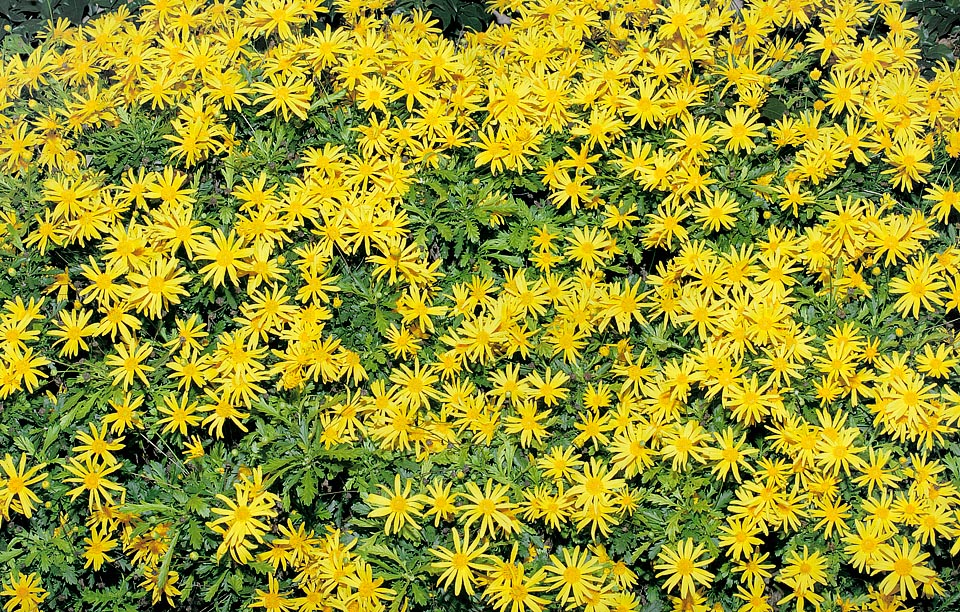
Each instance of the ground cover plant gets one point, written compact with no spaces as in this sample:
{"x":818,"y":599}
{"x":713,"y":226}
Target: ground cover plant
{"x":611,"y":306}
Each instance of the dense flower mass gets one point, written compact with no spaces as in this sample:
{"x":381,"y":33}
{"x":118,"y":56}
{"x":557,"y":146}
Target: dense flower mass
{"x":613,"y":306}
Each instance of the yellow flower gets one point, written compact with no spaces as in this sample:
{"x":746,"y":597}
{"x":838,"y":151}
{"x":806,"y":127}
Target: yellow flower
{"x":414,"y":386}
{"x":241,"y":519}
{"x":905,"y":569}
{"x":939,"y":363}
{"x":491,"y":507}
{"x":128,"y":363}
{"x":159,"y":590}
{"x":225,"y":254}
{"x":461,"y":564}
{"x":570,"y":190}
{"x":179,"y":414}
{"x":168,"y":188}
{"x":22,"y":368}
{"x":529,"y":423}
{"x":24,"y":592}
{"x":549,"y":387}
{"x":103,"y":287}
{"x":228,"y":87}
{"x":95,"y":445}
{"x":369,"y":594}
{"x":516,"y":591}
{"x":866,"y":545}
{"x":802,"y":572}
{"x":288,"y":96}
{"x":158,"y":286}
{"x":682,"y":566}
{"x":589,"y":247}
{"x":717,"y":212}
{"x":124,"y":415}
{"x":399,"y":506}
{"x":739,"y":130}
{"x":74,"y":327}
{"x":908,"y":165}
{"x":740,"y":537}
{"x":441,"y":502}
{"x":576,"y":575}
{"x":91,"y":477}
{"x":729,"y":454}
{"x":919,"y":288}
{"x":15,"y":486}
{"x":98,"y":545}
{"x":118,"y":319}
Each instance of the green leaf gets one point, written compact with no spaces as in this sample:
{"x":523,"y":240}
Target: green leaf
{"x":511,"y":260}
{"x":165,"y":566}
{"x":774,"y":109}
{"x":419,"y":593}
{"x":372,"y":547}
{"x":328,"y":100}
{"x":143,"y":508}
{"x":307,"y":491}
{"x":15,"y":45}
{"x":197,"y":505}
{"x":24,"y":444}
{"x":214,"y":589}
{"x":195,"y":533}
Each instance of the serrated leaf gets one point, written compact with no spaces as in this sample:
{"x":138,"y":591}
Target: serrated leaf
{"x":214,"y":588}
{"x":197,"y":505}
{"x":419,"y":593}
{"x":195,"y":533}
{"x":307,"y":491}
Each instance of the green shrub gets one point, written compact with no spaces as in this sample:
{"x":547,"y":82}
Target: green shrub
{"x":614,"y":306}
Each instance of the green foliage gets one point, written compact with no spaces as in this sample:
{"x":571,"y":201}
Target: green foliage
{"x":455,"y":15}
{"x":24,"y":18}
{"x":940,"y":28}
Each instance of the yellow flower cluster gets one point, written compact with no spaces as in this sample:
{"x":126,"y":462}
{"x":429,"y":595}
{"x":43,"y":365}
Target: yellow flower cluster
{"x":241,"y":519}
{"x":836,"y":431}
